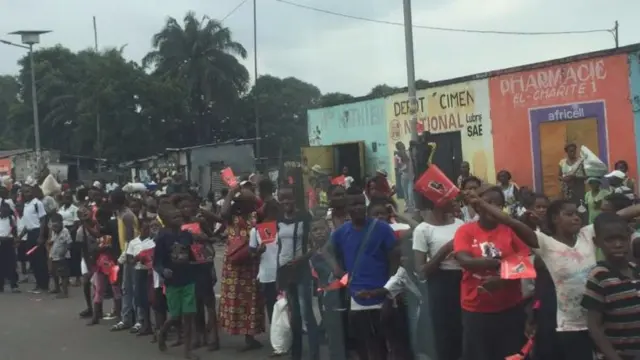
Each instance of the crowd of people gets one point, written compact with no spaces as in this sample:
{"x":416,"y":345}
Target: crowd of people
{"x":388,"y":284}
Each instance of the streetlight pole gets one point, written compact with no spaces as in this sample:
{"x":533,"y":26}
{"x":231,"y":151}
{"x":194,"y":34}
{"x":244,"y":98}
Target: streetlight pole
{"x":256,"y":112}
{"x":411,"y":71}
{"x":34,"y":103}
{"x":30,"y":38}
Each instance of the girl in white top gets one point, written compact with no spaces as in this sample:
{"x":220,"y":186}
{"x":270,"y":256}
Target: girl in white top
{"x":432,"y":249}
{"x":569,"y":255}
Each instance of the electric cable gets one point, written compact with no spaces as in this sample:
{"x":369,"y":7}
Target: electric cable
{"x":439,"y":28}
{"x":233,"y":11}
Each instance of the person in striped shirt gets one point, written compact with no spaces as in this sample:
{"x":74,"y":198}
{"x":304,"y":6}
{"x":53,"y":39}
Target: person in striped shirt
{"x":611,"y":296}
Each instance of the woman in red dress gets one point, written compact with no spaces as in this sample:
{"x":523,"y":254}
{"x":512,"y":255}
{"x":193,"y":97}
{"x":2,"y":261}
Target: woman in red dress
{"x":241,"y":304}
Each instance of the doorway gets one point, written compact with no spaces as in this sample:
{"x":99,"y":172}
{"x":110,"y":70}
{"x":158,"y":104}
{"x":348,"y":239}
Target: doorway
{"x":448,"y":154}
{"x":350,"y":155}
{"x":553,"y":137}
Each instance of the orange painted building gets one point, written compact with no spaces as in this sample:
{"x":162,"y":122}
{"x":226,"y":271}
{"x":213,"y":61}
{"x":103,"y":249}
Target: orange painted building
{"x":535,"y":112}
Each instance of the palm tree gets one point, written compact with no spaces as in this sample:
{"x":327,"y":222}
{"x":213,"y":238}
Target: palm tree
{"x":203,"y":57}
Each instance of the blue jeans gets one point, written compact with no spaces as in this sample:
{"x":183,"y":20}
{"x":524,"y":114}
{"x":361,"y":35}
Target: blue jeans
{"x":128,"y":287}
{"x":407,"y":188}
{"x":299,"y":299}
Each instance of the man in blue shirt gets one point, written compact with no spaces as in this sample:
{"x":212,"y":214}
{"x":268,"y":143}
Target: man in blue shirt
{"x":363,"y":248}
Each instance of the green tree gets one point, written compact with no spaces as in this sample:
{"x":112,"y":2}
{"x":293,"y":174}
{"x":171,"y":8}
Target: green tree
{"x":335,"y":98}
{"x":382,"y":90}
{"x":282,"y":106}
{"x":9,"y":91}
{"x":202,"y":56}
{"x":75,"y":88}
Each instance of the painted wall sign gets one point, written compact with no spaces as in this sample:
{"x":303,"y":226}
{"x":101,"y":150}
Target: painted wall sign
{"x":464,"y":107}
{"x":570,"y":81}
{"x":361,"y":121}
{"x":520,"y":102}
{"x":460,"y":107}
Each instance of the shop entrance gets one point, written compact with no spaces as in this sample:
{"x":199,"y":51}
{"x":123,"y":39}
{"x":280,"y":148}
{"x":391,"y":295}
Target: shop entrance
{"x":350,"y":155}
{"x":448,"y":153}
{"x":553,"y":137}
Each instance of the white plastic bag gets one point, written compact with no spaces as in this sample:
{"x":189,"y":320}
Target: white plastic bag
{"x":134,"y":187}
{"x":281,"y":335}
{"x":593,"y":166}
{"x":50,"y":186}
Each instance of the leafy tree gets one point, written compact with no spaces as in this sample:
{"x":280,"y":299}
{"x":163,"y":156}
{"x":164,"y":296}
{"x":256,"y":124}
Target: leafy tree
{"x":282,"y":106}
{"x":382,"y":91}
{"x":336,"y":98}
{"x":9,"y":89}
{"x":202,"y":56}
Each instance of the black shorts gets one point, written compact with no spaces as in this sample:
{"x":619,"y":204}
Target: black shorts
{"x":205,"y":282}
{"x":159,"y":303}
{"x":60,"y":268}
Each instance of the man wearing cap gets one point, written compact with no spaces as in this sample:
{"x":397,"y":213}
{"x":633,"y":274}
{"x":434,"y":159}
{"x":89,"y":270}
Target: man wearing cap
{"x":616,"y":182}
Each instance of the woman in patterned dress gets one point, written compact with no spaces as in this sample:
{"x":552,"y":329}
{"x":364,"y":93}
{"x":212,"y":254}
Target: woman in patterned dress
{"x":241,"y":304}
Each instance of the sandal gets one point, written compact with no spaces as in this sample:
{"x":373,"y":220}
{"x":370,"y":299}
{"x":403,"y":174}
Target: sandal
{"x":119,"y":326}
{"x":135,"y":328}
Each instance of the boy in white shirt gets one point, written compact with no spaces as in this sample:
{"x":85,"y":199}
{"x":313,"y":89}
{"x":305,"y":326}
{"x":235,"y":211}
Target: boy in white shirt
{"x":138,"y":253}
{"x":268,"y":260}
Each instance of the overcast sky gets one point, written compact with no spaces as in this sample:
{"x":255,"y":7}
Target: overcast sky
{"x":334,"y":53}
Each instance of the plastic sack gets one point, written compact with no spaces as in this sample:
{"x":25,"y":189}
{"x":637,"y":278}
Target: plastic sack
{"x":134,"y":187}
{"x":593,"y":166}
{"x":50,"y":186}
{"x":281,"y":335}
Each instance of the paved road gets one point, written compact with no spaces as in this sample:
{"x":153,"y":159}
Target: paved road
{"x":42,"y":327}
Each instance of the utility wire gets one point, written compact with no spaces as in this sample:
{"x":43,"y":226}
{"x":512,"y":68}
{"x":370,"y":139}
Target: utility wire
{"x":437,"y":28}
{"x":233,"y":11}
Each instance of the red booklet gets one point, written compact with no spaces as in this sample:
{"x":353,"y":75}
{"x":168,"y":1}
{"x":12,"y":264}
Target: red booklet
{"x":517,"y":267}
{"x":193,"y":228}
{"x":267,"y":232}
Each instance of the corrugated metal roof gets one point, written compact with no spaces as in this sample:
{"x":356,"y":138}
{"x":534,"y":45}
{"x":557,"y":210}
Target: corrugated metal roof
{"x":229,"y":142}
{"x":10,"y":153}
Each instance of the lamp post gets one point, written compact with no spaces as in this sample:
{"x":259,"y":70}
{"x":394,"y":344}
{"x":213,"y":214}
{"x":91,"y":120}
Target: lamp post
{"x":30,"y":38}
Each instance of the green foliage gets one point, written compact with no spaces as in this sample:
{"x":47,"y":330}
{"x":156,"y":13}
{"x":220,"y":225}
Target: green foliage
{"x":190,"y":89}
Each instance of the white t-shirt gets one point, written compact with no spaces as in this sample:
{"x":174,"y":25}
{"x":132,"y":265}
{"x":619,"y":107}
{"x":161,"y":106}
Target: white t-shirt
{"x":5,"y":227}
{"x":69,"y":214}
{"x":268,"y":260}
{"x":136,"y":246}
{"x":31,"y":214}
{"x":569,"y":268}
{"x":429,"y":239}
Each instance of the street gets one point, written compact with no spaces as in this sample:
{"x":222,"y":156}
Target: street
{"x":40,"y":326}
